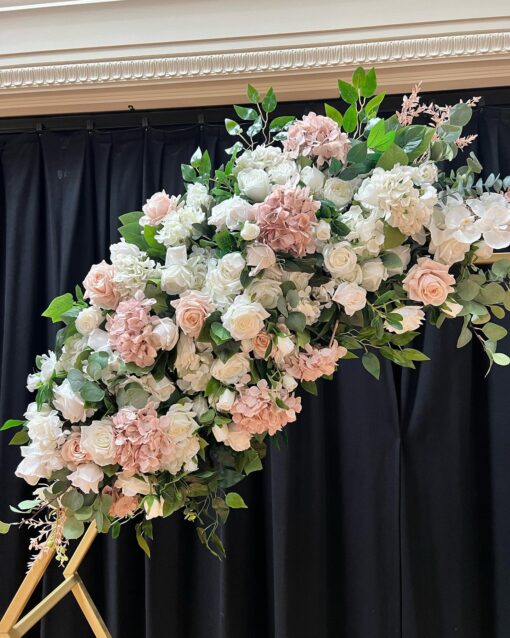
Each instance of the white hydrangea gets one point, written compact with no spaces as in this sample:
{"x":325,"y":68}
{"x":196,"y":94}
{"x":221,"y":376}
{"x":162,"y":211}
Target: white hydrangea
{"x":264,"y":157}
{"x":493,"y":212}
{"x":193,"y":364}
{"x":177,"y":226}
{"x":197,"y":196}
{"x":132,"y":268}
{"x":222,"y":282}
{"x":367,"y":230}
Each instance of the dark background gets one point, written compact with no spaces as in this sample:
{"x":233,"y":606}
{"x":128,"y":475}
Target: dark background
{"x":387,"y":516}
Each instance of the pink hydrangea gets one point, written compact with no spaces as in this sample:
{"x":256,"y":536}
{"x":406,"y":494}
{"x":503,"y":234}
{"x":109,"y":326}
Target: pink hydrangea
{"x":130,"y":331}
{"x":286,"y":219}
{"x":143,"y":445}
{"x":318,"y":136}
{"x":255,"y":411}
{"x":314,"y":363}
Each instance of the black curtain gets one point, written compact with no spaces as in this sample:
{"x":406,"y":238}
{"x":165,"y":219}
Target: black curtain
{"x":385,"y":516}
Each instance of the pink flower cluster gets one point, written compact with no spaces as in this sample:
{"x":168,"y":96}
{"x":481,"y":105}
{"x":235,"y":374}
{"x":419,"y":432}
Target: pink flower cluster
{"x":130,"y":331}
{"x":314,"y":362}
{"x":285,"y":219}
{"x":158,"y":207}
{"x":318,"y":136}
{"x":141,"y":439}
{"x":255,"y":411}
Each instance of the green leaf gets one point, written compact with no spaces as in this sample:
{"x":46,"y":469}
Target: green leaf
{"x":391,"y":260}
{"x":449,"y":132}
{"x":72,"y":500}
{"x":133,"y":234}
{"x":73,"y":528}
{"x":188,"y":173}
{"x":348,"y":92}
{"x":253,"y":463}
{"x":357,"y":153}
{"x":246,"y":113}
{"x":468,"y":289}
{"x":232,"y":127}
{"x":350,"y":119}
{"x":414,"y":355}
{"x":219,"y":333}
{"x":140,"y":539}
{"x":4,"y":527}
{"x":392,"y":237}
{"x":28,"y":505}
{"x":493,"y":332}
{"x":91,"y":392}
{"x":372,"y":106}
{"x":296,"y":321}
{"x":333,"y":113}
{"x":84,"y":513}
{"x":498,"y":312}
{"x":253,"y":94}
{"x":372,"y":364}
{"x":225,"y":241}
{"x":58,"y":307}
{"x":499,"y":358}
{"x":129,"y":218}
{"x":132,"y":394}
{"x":491,"y":293}
{"x":280,"y":122}
{"x":501,"y":268}
{"x":11,"y":423}
{"x":20,"y":438}
{"x":269,"y":101}
{"x":460,"y":114}
{"x":310,"y":387}
{"x":378,"y":138}
{"x":392,"y":156}
{"x":235,"y":501}
{"x":358,"y":77}
{"x":370,"y":83}
{"x":96,"y":363}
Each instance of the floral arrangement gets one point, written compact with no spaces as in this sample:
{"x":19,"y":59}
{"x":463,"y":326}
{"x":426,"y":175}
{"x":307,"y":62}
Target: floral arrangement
{"x":324,"y":238}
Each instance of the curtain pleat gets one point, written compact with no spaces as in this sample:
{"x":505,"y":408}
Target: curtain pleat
{"x":384,"y":516}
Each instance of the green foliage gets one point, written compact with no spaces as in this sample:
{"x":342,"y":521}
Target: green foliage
{"x":58,"y":307}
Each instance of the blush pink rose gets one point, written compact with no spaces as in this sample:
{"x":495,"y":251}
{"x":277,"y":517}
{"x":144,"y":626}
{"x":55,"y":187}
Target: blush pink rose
{"x":99,"y":286}
{"x":191,"y":310}
{"x":130,"y":331}
{"x":318,"y":136}
{"x":158,"y":207}
{"x":72,"y":453}
{"x":314,"y":363}
{"x":286,"y":219}
{"x":255,"y":411}
{"x":429,"y":282}
{"x":260,"y":344}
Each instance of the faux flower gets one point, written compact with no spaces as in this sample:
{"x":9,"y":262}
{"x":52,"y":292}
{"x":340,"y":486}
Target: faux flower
{"x":68,"y":403}
{"x":72,"y":453}
{"x":351,"y":296}
{"x":191,"y":310}
{"x":493,"y":211}
{"x":411,"y":319}
{"x":374,"y":273}
{"x":87,"y":477}
{"x":313,"y":178}
{"x":286,"y":219}
{"x":317,"y":136}
{"x":165,"y":333}
{"x":338,"y":191}
{"x":197,"y":196}
{"x":259,"y":257}
{"x":429,"y":282}
{"x":232,"y":370}
{"x":254,"y":184}
{"x":231,"y":213}
{"x":157,"y":208}
{"x":97,"y":440}
{"x":340,"y":260}
{"x":132,"y":268}
{"x":245,"y":318}
{"x":233,"y":435}
{"x":99,"y":286}
{"x":313,"y":363}
{"x":88,"y":320}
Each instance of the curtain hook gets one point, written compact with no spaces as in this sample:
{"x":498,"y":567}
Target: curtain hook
{"x":39,"y":128}
{"x":90,"y":126}
{"x":145,"y":123}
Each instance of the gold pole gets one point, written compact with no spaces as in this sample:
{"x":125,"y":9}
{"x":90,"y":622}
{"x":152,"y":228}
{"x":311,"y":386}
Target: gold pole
{"x":12,"y":627}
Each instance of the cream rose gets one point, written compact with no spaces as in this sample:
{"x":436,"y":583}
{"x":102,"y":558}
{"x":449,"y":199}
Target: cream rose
{"x":260,"y":257}
{"x":285,"y":345}
{"x":68,"y":403}
{"x":351,"y":296}
{"x":153,"y":507}
{"x":99,"y":286}
{"x":283,"y":172}
{"x":165,"y":333}
{"x":323,"y":230}
{"x":181,"y":420}
{"x":233,"y":436}
{"x":232,"y":370}
{"x":88,"y":320}
{"x":250,"y":231}
{"x":132,"y":485}
{"x":231,"y":213}
{"x":340,"y":259}
{"x":265,"y":291}
{"x":429,"y":282}
{"x":98,"y":441}
{"x":87,"y":477}
{"x":254,"y":184}
{"x":313,"y":178}
{"x":412,"y":318}
{"x":245,"y":318}
{"x":374,"y":272}
{"x":338,"y":191}
{"x":226,"y":400}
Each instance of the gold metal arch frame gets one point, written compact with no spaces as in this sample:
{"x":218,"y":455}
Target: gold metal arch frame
{"x":14,"y":625}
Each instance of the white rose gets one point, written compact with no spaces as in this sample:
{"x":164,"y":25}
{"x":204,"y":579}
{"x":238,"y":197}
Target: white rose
{"x":176,"y":276}
{"x":226,"y":400}
{"x":250,"y":231}
{"x":351,"y":296}
{"x":412,"y":317}
{"x":45,"y":430}
{"x":98,"y":340}
{"x":261,"y":257}
{"x":254,"y":184}
{"x":285,"y":345}
{"x":131,"y":485}
{"x":323,"y":230}
{"x":230,"y":371}
{"x":404,"y":254}
{"x":88,"y":320}
{"x":153,"y":507}
{"x":244,"y":319}
{"x":197,"y":196}
{"x":338,"y":191}
{"x":160,"y":390}
{"x":165,"y":333}
{"x":87,"y":478}
{"x":98,"y":440}
{"x":37,"y":465}
{"x":451,"y":309}
{"x":289,"y":383}
{"x":233,"y":436}
{"x":450,"y":251}
{"x":265,"y":291}
{"x":182,"y":424}
{"x":68,"y":403}
{"x":284,"y":172}
{"x":313,"y":178}
{"x":426,"y":173}
{"x":374,"y":272}
{"x":231,"y":213}
{"x":231,"y":266}
{"x":340,"y":259}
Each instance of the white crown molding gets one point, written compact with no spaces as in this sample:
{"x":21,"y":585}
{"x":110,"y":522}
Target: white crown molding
{"x":445,"y":61}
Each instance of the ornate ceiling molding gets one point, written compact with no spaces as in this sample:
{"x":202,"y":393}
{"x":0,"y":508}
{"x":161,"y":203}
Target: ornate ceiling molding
{"x":446,"y":61}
